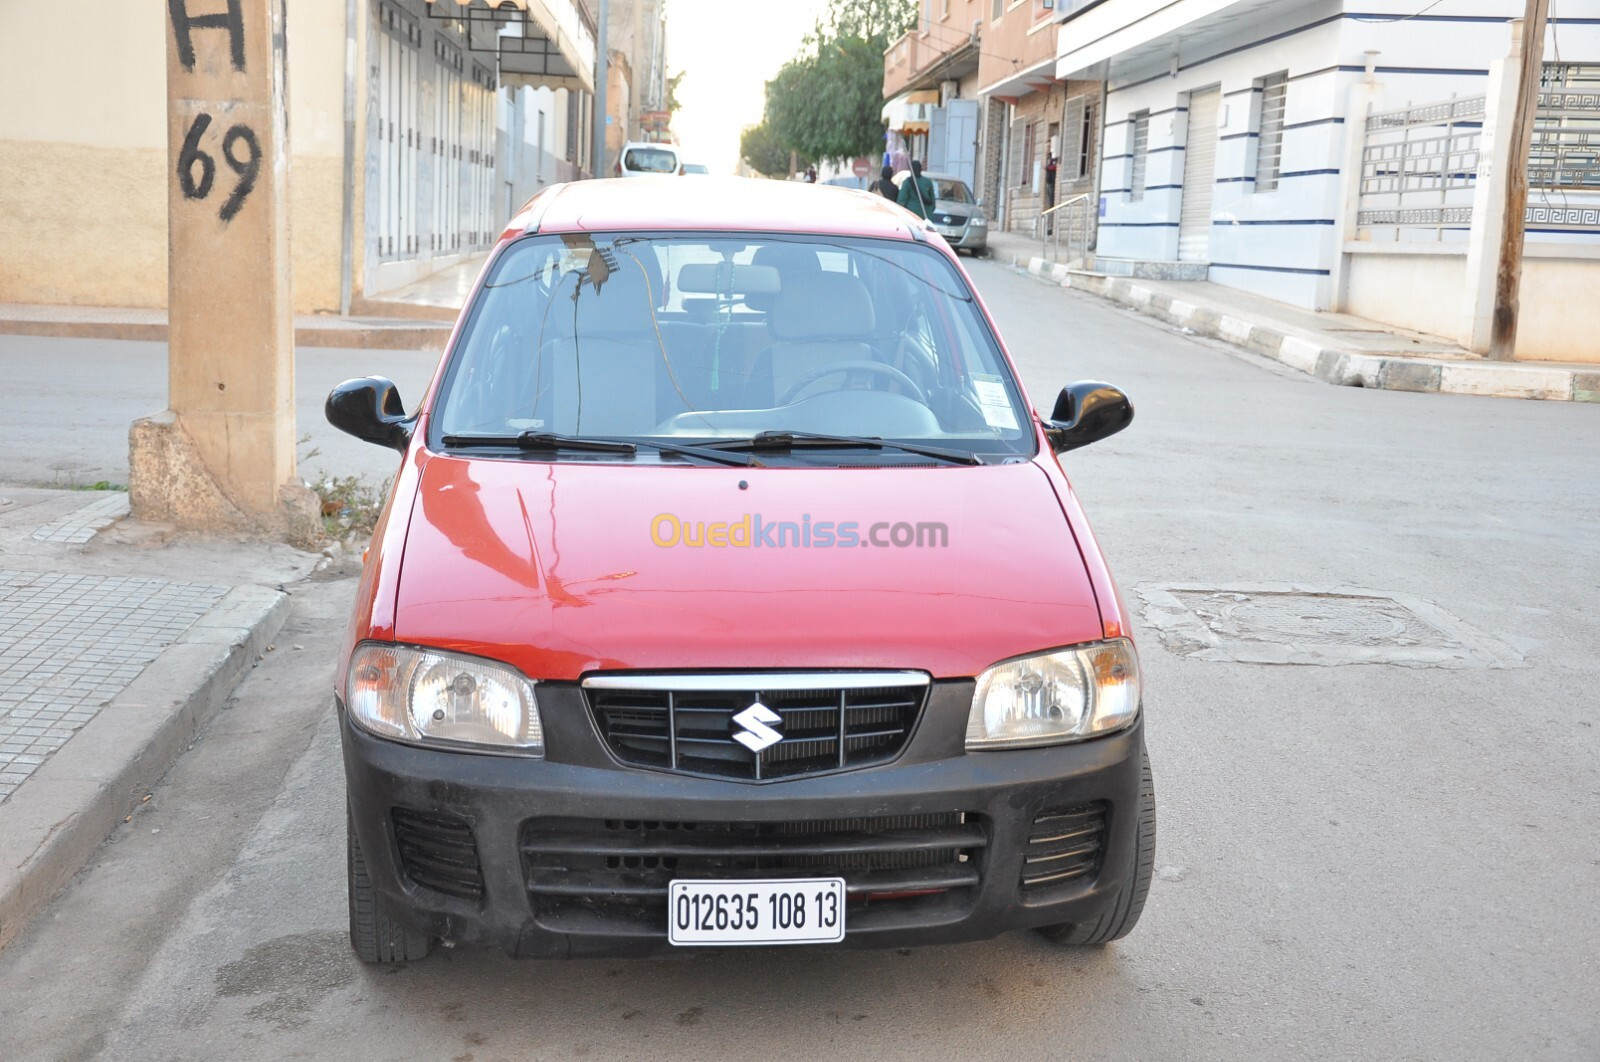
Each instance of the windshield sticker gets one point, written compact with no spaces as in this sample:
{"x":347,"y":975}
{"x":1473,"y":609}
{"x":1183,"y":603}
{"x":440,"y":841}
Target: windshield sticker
{"x":992,"y":400}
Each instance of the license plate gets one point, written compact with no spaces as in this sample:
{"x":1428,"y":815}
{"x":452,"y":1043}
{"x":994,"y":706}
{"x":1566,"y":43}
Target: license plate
{"x":794,"y":911}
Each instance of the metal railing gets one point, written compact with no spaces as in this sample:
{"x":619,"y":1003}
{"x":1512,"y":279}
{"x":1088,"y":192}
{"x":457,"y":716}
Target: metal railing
{"x":1071,"y":221}
{"x":1565,"y":155}
{"x":1419,"y":166}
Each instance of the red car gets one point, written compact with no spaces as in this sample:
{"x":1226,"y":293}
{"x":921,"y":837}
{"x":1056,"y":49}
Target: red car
{"x":731,"y":593}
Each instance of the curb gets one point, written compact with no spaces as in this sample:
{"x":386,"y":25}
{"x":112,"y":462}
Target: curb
{"x":56,"y":821}
{"x":409,"y":335}
{"x":1304,"y":351}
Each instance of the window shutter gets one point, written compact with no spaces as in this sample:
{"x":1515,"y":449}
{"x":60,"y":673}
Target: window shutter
{"x":1069,"y":158}
{"x":1269,"y":146}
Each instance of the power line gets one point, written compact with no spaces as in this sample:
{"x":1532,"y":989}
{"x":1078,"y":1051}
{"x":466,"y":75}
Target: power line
{"x":933,"y":29}
{"x":1398,"y":18}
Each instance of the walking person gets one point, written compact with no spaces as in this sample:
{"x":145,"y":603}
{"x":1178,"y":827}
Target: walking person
{"x":917,"y":194}
{"x":884,"y":185}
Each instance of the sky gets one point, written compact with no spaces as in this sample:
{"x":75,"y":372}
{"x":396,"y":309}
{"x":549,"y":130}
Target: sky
{"x":729,"y":49}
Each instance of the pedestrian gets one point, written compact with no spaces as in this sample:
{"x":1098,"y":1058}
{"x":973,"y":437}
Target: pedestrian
{"x":884,"y":185}
{"x":1050,"y":190}
{"x":811,"y":175}
{"x":917,"y":193}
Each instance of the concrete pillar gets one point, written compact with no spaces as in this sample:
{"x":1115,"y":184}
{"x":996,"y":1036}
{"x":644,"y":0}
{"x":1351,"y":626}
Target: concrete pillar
{"x":1488,"y":195}
{"x":1359,"y":103}
{"x":222,"y":455}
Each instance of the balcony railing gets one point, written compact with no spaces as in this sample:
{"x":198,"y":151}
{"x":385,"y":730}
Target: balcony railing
{"x":917,"y":52}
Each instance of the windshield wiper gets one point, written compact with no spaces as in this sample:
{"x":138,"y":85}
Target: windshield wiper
{"x":540,"y":441}
{"x":544,"y":441}
{"x":778,"y":441}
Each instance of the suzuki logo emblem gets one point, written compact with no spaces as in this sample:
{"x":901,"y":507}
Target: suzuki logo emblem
{"x":756,"y":734}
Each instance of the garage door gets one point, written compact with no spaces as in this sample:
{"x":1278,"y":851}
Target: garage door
{"x":1199,"y":172}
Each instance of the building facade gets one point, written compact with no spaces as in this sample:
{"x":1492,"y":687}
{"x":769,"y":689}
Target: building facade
{"x":1032,"y":116}
{"x":638,"y":97}
{"x":930,"y":86}
{"x":415,"y":128}
{"x":1237,"y":141}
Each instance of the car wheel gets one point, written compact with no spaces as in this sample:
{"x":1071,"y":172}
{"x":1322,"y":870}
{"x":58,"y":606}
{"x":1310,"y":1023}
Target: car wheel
{"x":1123,"y":915}
{"x":376,"y":937}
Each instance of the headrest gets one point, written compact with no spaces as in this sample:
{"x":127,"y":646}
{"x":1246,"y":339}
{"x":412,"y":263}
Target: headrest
{"x":822,"y":306}
{"x":622,"y":305}
{"x":789,"y":260}
{"x":643,"y":256}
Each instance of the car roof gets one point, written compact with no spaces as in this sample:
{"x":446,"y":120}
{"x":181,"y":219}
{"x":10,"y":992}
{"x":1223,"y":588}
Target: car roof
{"x":934,"y":176}
{"x":716,"y":204}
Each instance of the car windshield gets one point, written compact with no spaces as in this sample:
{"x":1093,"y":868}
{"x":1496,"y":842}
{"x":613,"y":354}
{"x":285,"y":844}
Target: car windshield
{"x":951,"y":190}
{"x":724,"y":337}
{"x":650,"y":160}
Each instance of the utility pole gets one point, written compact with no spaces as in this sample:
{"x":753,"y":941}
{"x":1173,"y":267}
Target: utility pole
{"x":1508,"y":278}
{"x":602,"y":76}
{"x":221,"y":457}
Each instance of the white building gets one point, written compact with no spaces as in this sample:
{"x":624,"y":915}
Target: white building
{"x":1226,"y":141}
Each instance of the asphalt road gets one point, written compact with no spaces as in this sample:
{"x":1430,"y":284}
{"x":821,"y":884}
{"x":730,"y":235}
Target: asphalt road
{"x":1364,"y":861}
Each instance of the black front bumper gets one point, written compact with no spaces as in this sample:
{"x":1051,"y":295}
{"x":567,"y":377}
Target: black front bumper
{"x":496,"y":809}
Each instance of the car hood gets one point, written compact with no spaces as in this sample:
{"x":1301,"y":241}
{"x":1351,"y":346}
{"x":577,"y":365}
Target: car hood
{"x":554,"y":568}
{"x":959,"y":211}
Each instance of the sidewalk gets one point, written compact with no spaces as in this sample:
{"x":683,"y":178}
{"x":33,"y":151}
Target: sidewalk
{"x":117,"y":643}
{"x":379,"y":331}
{"x":1334,"y":347}
{"x":438,"y":296}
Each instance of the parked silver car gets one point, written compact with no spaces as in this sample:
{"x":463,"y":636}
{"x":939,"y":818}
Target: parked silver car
{"x":956,"y":214}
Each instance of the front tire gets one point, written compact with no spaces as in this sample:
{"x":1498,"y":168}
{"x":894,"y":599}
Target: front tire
{"x":375,"y":936}
{"x":1123,"y":915}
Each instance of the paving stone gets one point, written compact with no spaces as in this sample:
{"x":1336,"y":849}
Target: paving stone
{"x":70,"y":643}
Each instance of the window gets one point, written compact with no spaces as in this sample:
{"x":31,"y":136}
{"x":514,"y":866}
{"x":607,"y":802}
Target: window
{"x":999,"y":10}
{"x":1138,"y":151}
{"x":1269,"y":145}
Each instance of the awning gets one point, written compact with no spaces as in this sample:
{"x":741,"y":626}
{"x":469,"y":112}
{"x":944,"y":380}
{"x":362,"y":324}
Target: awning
{"x":909,"y":111}
{"x":538,"y":43}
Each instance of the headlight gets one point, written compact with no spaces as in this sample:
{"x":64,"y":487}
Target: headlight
{"x":430,"y":697}
{"x":1056,"y":697}
{"x":980,"y":223}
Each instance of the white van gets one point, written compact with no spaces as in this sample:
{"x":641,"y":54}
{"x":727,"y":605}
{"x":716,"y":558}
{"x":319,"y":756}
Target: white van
{"x":642,"y":160}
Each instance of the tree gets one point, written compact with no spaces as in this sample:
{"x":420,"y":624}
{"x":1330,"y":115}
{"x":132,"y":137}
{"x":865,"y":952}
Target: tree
{"x":673,"y":82}
{"x":761,"y":150}
{"x":827,"y":102}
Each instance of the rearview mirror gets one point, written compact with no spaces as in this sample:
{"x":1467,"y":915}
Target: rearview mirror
{"x":371,"y":410}
{"x":1087,"y":412}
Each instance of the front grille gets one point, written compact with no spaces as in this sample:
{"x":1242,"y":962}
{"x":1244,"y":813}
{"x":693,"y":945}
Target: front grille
{"x":691,"y":731}
{"x":1064,"y":847}
{"x":624,"y":866}
{"x":438,"y":852}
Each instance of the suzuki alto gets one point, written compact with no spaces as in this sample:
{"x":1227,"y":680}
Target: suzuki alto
{"x":730,"y":592}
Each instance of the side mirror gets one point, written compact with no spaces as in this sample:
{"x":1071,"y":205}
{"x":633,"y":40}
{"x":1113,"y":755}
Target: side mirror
{"x":1087,"y":412}
{"x":371,"y":410}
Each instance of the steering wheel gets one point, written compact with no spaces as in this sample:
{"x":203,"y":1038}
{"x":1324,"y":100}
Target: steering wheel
{"x":830,"y":369}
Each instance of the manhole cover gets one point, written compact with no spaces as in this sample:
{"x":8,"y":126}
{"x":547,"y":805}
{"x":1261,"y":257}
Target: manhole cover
{"x":1302,"y":625}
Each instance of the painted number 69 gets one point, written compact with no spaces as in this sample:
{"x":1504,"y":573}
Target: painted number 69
{"x":198,"y":186}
